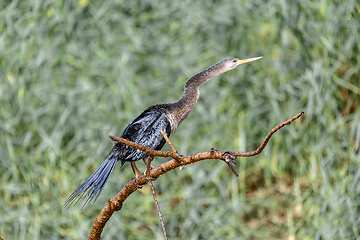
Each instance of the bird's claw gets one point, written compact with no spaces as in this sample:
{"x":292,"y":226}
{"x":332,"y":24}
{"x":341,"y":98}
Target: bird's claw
{"x":140,"y":186}
{"x":148,"y":178}
{"x":147,"y":175}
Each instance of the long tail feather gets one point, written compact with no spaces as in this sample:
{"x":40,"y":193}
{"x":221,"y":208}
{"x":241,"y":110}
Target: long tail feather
{"x":94,"y":185}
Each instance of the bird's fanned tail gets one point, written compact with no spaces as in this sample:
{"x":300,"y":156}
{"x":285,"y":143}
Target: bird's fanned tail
{"x":93,"y":186}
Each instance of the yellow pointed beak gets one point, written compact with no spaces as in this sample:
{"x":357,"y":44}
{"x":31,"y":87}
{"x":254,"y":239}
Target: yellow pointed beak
{"x":249,"y":60}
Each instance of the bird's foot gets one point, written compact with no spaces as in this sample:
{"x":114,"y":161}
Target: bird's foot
{"x":140,"y":186}
{"x":147,"y":177}
{"x":149,"y":166}
{"x":147,"y":174}
{"x":137,"y":178}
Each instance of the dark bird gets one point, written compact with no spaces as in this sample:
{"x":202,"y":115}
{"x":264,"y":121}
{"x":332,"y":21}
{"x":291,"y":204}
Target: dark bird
{"x":145,"y":130}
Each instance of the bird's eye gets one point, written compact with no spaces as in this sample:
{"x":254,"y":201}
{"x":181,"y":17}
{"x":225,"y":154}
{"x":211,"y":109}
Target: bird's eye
{"x":234,"y":61}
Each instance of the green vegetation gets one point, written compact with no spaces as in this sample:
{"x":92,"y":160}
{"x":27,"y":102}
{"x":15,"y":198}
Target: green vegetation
{"x":73,"y":72}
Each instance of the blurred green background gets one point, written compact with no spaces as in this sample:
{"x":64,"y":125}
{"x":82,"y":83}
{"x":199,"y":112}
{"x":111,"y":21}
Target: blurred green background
{"x":73,"y":72}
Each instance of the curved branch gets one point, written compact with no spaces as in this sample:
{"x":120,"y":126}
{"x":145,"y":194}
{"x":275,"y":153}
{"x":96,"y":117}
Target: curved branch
{"x":116,"y":203}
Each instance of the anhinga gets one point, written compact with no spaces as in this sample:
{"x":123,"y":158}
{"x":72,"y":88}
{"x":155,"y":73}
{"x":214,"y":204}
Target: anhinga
{"x":145,"y":130}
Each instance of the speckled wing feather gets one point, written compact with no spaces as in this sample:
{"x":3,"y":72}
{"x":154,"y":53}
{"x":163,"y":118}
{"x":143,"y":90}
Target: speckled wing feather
{"x":145,"y":130}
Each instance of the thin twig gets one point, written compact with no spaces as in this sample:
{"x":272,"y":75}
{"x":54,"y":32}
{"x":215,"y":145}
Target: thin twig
{"x":148,"y":161}
{"x":170,"y":144}
{"x":146,"y":150}
{"x":266,"y":140}
{"x":168,"y":141}
{"x":158,"y":209}
{"x":116,"y":203}
{"x":233,"y":170}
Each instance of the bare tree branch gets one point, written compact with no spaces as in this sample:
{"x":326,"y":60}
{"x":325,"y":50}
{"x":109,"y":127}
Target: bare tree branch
{"x":116,"y":203}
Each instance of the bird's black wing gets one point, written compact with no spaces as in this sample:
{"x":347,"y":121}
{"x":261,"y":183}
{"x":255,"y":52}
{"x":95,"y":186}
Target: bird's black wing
{"x":145,"y":130}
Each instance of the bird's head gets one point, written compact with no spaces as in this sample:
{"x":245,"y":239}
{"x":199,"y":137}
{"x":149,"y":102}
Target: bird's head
{"x":232,"y":63}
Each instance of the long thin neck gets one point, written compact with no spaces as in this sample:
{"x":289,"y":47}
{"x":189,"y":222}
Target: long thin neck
{"x":183,"y":106}
{"x":191,"y":91}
